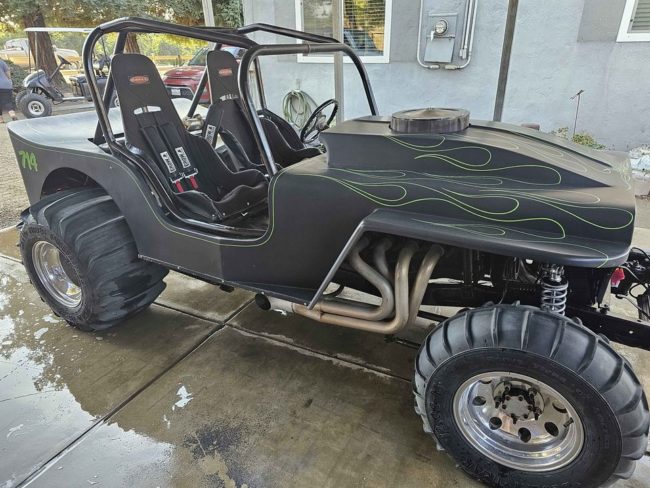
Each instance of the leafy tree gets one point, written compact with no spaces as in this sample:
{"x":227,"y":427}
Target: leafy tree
{"x":227,"y":13}
{"x":29,"y":13}
{"x":83,"y":13}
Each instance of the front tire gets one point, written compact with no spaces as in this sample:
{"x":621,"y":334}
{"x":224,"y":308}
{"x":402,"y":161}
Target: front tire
{"x":521,"y":397}
{"x":19,"y":97}
{"x":35,"y":105}
{"x":81,"y":257}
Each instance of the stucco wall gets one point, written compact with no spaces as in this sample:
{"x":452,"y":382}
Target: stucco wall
{"x":560,"y":47}
{"x":548,"y":69}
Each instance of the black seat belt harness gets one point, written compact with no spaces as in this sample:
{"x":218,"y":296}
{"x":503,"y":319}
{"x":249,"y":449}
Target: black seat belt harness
{"x":167,"y":146}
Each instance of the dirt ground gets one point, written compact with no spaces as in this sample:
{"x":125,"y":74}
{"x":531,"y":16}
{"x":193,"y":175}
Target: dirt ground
{"x":12,"y":192}
{"x":13,"y":199}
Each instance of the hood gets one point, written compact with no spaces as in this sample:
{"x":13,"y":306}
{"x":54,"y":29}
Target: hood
{"x":33,"y":76}
{"x":491,"y":178}
{"x":185,"y":72}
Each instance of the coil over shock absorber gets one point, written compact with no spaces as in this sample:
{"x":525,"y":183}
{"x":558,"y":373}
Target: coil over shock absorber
{"x":555,"y":288}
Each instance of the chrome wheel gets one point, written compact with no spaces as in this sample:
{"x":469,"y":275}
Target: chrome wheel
{"x":53,"y":276}
{"x":518,"y":421}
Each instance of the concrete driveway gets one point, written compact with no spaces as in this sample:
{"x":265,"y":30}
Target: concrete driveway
{"x":203,"y":389}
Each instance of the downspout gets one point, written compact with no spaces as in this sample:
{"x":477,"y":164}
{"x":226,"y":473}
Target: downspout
{"x":506,"y":52}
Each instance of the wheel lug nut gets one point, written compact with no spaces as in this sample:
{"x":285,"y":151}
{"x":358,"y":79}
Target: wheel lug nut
{"x":504,"y":406}
{"x":521,"y":398}
{"x":507,"y":397}
{"x":530,"y":407}
{"x":526,"y":416}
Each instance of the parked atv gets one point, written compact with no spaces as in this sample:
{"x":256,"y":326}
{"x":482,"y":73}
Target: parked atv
{"x":529,"y":234}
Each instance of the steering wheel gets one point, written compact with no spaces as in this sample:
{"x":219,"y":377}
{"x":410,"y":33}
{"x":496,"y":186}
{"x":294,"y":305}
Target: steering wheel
{"x":317,"y":122}
{"x":63,"y":61}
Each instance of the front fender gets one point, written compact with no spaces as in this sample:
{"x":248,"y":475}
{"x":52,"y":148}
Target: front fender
{"x":494,"y":239}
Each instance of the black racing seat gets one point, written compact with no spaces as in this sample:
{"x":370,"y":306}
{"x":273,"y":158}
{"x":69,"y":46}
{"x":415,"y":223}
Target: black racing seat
{"x":228,"y":117}
{"x":199,"y":179}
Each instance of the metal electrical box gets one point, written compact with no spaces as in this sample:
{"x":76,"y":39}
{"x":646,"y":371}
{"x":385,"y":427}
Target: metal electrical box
{"x":441,"y":37}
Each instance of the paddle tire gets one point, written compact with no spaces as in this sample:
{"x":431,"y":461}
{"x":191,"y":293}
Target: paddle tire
{"x":592,"y":396}
{"x":80,"y":255}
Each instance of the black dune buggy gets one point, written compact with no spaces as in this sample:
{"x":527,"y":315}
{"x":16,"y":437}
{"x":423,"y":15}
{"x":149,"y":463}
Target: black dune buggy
{"x":529,"y":233}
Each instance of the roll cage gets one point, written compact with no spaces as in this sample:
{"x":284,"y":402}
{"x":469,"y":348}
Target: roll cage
{"x":218,"y":35}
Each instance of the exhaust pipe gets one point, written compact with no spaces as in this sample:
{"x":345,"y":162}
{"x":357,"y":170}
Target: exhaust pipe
{"x":348,"y":308}
{"x":404,"y":303}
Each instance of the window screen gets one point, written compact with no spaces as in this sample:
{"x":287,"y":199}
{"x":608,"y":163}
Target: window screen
{"x":641,"y":17}
{"x":363,"y":23}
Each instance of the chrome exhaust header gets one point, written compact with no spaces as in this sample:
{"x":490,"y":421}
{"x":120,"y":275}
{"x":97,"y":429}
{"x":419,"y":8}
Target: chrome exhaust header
{"x":399,"y":301}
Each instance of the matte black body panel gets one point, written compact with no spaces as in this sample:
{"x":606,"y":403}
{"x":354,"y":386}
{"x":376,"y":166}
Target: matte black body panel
{"x":512,"y":204}
{"x":517,"y":189}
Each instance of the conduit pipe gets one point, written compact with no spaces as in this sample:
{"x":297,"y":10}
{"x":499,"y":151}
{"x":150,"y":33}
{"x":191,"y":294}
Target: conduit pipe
{"x":465,"y":49}
{"x":418,"y":55}
{"x":462,"y":54}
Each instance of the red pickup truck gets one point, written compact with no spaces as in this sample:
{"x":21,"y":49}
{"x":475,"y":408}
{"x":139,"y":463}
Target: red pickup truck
{"x":183,"y":81}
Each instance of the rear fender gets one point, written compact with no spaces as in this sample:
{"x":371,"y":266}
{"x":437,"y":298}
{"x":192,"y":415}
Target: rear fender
{"x":46,"y":170}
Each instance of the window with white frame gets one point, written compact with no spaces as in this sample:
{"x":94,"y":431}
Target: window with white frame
{"x":635,"y":25}
{"x":366,"y":26}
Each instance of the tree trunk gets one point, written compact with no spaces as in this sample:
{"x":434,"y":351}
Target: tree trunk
{"x":131,"y":45}
{"x":44,"y":54}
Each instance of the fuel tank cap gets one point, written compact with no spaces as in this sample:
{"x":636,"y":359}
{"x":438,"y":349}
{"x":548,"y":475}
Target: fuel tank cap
{"x":430,"y":120}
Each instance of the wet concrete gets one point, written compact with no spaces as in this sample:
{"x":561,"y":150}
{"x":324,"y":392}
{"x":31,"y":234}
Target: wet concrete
{"x":201,"y":299}
{"x":56,"y":382}
{"x":176,"y":399}
{"x":357,"y":347}
{"x":262,"y":414}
